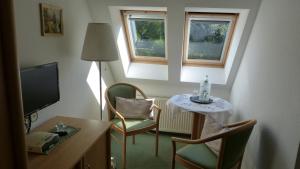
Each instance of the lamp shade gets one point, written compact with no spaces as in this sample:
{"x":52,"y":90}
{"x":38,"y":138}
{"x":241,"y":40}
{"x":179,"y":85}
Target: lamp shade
{"x":99,"y":44}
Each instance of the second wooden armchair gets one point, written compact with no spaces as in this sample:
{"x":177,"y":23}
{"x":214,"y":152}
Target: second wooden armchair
{"x":129,"y":127}
{"x":197,"y":155}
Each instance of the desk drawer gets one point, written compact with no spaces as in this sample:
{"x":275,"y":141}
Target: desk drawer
{"x":98,"y":155}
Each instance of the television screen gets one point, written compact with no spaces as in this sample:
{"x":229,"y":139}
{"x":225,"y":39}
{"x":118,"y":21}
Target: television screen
{"x":39,"y":87}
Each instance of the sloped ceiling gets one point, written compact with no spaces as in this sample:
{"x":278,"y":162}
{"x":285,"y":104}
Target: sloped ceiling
{"x":100,"y":12}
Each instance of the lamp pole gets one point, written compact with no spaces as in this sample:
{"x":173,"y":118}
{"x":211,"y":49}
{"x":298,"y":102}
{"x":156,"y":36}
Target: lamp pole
{"x":100,"y":83}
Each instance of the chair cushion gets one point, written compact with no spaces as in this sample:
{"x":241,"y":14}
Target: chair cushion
{"x":199,"y":154}
{"x":134,"y":108}
{"x":133,"y":124}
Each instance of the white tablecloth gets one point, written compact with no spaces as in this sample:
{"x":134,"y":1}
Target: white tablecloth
{"x":219,"y":110}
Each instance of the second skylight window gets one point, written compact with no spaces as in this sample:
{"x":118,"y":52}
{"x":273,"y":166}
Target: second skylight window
{"x":207,"y":38}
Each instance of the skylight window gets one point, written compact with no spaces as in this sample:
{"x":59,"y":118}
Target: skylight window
{"x":146,"y":36}
{"x":207,"y":38}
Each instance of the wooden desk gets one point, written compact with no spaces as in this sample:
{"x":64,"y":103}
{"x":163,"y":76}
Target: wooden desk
{"x":88,"y":148}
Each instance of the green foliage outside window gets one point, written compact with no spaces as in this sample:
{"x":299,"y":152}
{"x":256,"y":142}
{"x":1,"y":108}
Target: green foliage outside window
{"x":150,"y":28}
{"x":207,"y":39}
{"x":148,"y":37}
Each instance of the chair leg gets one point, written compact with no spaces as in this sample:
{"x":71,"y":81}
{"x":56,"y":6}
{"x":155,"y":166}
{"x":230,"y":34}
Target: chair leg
{"x":173,"y":154}
{"x":156,"y":141}
{"x":240,"y":165}
{"x":133,"y":139}
{"x":173,"y":163}
{"x":124,"y":152}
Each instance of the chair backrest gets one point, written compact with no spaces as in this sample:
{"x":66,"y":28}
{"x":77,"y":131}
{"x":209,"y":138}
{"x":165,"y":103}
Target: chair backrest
{"x":120,"y":90}
{"x":233,"y":145}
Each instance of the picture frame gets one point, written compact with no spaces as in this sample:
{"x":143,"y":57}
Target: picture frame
{"x":51,"y":20}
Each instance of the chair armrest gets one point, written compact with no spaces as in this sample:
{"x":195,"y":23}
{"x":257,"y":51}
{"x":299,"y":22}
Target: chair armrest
{"x":154,"y":106}
{"x":121,"y":117}
{"x":235,"y":124}
{"x":200,"y":141}
{"x":186,"y":141}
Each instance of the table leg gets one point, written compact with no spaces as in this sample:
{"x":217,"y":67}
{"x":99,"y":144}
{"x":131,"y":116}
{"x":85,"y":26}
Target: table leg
{"x":198,"y":123}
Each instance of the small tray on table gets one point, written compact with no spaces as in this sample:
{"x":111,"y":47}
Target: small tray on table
{"x":197,"y":100}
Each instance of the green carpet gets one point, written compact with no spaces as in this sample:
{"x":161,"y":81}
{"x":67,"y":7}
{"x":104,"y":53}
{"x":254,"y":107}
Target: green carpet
{"x":141,"y":155}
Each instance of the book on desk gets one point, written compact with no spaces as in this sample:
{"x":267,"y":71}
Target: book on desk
{"x":41,"y":142}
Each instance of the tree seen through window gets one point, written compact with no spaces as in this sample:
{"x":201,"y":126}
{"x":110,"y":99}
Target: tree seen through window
{"x":148,"y":36}
{"x":207,"y":38}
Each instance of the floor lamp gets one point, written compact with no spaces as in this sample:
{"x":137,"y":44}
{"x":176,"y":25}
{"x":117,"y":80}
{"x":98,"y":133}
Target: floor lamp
{"x":99,"y":45}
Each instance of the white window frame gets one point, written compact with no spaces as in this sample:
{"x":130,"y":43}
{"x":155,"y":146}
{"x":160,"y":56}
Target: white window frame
{"x":231,"y":17}
{"x":143,"y":14}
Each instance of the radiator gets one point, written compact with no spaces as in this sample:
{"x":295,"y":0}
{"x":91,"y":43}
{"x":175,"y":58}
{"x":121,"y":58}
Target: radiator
{"x":179,"y":123}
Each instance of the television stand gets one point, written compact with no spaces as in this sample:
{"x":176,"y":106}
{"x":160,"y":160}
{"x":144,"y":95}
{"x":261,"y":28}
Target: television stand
{"x":88,"y":148}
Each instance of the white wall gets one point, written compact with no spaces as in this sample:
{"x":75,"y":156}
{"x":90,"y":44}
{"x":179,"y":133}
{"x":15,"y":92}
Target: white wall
{"x":77,"y":98}
{"x":267,"y":86}
{"x":100,"y":13}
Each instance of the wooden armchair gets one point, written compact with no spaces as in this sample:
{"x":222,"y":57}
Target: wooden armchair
{"x":129,"y":127}
{"x":196,"y":155}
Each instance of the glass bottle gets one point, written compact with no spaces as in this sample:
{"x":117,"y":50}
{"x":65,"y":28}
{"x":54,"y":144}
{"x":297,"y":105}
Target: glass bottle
{"x":204,"y":90}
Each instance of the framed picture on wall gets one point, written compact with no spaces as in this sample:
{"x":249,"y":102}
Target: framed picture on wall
{"x":51,"y":20}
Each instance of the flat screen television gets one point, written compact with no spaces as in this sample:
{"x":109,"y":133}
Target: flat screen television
{"x":40,"y":87}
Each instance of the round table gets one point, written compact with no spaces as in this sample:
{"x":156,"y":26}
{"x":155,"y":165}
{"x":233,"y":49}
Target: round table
{"x":219,"y":110}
